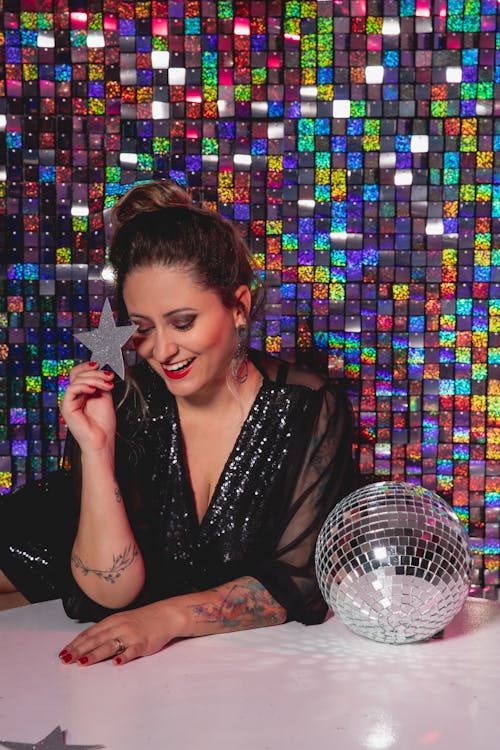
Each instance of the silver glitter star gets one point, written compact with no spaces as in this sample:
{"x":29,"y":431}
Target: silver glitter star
{"x":53,"y":741}
{"x":106,"y":341}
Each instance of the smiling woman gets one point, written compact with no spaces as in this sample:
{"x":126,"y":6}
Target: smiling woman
{"x":185,"y":332}
{"x":200,"y":485}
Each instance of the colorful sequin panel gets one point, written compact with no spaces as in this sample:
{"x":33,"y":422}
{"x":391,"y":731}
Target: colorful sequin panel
{"x":355,"y":145}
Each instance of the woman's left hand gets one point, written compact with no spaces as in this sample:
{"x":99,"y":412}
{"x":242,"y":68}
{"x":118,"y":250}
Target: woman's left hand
{"x":125,"y":636}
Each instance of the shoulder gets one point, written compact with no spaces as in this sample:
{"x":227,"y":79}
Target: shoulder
{"x":287,"y":373}
{"x":324,"y":395}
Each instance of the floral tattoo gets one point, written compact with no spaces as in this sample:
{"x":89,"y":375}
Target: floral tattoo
{"x":120,"y":564}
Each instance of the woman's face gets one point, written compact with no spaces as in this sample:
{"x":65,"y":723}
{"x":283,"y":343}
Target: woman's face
{"x":185,"y":332}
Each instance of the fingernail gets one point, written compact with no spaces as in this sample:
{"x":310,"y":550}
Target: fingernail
{"x":83,"y":660}
{"x":117,"y":660}
{"x":61,"y":653}
{"x":67,"y":658}
{"x":92,"y":364}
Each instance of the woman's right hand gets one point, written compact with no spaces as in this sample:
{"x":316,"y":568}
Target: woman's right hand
{"x":88,"y":410}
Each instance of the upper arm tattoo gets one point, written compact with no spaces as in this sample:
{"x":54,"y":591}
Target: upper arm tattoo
{"x":120,"y":563}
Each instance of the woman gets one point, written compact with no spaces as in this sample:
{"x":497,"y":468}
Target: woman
{"x":203,"y":482}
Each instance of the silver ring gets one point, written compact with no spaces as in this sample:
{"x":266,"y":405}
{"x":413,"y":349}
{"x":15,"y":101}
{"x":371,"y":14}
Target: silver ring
{"x":120,"y":648}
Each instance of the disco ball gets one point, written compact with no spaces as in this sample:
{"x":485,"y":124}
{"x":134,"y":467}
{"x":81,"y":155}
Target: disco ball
{"x":393,"y":562}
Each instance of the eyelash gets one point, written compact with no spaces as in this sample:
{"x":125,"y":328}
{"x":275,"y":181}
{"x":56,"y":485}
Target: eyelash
{"x":186,"y":327}
{"x":182,"y":328}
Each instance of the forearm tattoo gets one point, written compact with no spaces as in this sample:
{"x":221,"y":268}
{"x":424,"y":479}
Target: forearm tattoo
{"x":120,"y":564}
{"x":245,"y":604}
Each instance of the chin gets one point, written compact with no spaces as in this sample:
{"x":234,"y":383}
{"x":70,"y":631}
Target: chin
{"x":187,"y":386}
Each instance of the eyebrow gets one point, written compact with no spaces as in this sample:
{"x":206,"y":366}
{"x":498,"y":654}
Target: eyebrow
{"x":165,"y":315}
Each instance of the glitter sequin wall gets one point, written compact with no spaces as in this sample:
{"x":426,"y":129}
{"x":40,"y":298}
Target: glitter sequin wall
{"x":355,"y":144}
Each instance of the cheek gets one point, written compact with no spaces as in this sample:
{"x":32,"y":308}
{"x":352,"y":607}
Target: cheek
{"x":142,"y":346}
{"x":220,"y":336}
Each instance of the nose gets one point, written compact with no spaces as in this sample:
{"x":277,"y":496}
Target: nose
{"x":164,"y":346}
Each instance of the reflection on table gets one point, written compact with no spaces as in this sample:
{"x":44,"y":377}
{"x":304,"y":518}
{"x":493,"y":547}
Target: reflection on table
{"x":288,"y":687}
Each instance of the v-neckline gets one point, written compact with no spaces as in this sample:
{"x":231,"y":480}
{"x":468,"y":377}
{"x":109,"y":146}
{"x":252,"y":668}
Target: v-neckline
{"x":190,"y":499}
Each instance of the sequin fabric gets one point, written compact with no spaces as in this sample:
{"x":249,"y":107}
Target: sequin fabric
{"x":277,"y":486}
{"x":37,"y":526}
{"x":231,"y":528}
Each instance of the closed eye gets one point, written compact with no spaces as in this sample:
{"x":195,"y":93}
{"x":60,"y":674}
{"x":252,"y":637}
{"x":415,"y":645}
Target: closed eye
{"x":179,"y":323}
{"x":184,"y":324}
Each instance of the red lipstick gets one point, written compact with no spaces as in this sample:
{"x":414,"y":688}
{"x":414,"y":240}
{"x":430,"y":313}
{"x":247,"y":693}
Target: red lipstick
{"x":178,"y":374}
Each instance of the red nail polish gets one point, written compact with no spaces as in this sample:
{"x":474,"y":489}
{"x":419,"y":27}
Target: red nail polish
{"x":67,"y":658}
{"x":93,"y":364}
{"x":117,"y":660}
{"x":83,"y":660}
{"x":61,"y":653}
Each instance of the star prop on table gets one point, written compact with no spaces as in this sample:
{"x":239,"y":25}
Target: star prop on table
{"x":53,"y":741}
{"x":106,"y":341}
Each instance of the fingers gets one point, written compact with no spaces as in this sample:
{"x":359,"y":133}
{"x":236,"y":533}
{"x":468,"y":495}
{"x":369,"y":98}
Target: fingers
{"x":130,"y":653}
{"x":121,"y":637}
{"x":88,"y":372}
{"x":87,"y":407}
{"x":86,"y":382}
{"x":91,"y":647}
{"x":83,"y":367}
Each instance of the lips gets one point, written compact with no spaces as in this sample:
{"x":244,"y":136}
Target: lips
{"x":178,"y":370}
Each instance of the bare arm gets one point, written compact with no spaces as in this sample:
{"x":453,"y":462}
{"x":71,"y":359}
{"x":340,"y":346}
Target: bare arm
{"x":6,"y":587}
{"x":105,"y":561}
{"x":238,"y":605}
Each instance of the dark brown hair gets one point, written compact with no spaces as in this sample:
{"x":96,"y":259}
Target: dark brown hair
{"x":147,"y":196}
{"x":196,"y":239}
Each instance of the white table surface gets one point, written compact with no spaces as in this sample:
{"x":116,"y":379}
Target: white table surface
{"x":288,"y":687}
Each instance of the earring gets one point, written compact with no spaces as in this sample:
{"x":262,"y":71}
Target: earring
{"x":239,"y":364}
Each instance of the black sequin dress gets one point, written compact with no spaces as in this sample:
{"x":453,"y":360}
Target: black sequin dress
{"x":289,"y":466}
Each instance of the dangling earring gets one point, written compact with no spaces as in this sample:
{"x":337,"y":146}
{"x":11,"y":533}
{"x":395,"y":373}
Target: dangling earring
{"x":239,"y":364}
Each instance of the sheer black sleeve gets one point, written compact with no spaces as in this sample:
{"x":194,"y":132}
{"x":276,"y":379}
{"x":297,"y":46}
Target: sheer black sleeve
{"x":321,"y":472}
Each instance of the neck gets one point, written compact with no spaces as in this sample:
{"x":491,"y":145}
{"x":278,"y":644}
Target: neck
{"x":225,"y":396}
